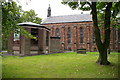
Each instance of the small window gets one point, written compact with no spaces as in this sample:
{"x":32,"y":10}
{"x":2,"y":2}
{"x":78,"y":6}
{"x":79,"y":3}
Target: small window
{"x":52,"y":31}
{"x":69,"y":35}
{"x":16,"y":36}
{"x":47,"y":38}
{"x":75,"y":25}
{"x":63,"y":26}
{"x":87,"y":25}
{"x":51,"y":26}
{"x":93,"y":37}
{"x":81,"y":35}
{"x":57,"y":32}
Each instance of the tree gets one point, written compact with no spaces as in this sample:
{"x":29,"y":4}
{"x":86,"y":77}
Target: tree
{"x":30,"y":16}
{"x":10,"y":18}
{"x":12,"y":14}
{"x":106,"y":9}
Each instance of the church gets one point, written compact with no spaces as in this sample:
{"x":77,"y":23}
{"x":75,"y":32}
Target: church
{"x":57,"y":34}
{"x":76,"y":32}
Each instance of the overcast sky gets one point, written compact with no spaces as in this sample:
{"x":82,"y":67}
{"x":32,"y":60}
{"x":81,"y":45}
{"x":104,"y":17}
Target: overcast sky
{"x":41,"y":6}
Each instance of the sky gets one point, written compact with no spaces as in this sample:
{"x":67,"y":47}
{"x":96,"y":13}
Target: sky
{"x":40,"y":7}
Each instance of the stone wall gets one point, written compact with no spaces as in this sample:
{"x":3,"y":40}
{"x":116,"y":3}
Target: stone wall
{"x":55,"y":46}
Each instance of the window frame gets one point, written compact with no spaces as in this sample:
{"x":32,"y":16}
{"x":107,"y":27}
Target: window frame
{"x":81,"y":35}
{"x":69,"y":35}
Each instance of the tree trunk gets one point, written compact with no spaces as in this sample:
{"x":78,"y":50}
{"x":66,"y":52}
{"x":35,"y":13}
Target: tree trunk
{"x":102,"y":59}
{"x":103,"y":53}
{"x":107,"y":27}
{"x":102,"y":46}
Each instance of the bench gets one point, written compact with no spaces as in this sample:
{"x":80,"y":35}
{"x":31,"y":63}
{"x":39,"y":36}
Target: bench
{"x":81,"y":51}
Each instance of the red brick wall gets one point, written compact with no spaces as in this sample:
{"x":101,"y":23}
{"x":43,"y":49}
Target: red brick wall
{"x":75,"y":36}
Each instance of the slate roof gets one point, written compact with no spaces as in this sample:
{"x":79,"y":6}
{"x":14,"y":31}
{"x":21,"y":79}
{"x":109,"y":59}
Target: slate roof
{"x":68,"y":19}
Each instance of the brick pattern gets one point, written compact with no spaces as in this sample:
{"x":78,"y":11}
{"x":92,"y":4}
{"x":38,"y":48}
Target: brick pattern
{"x":88,"y":42}
{"x":59,"y":45}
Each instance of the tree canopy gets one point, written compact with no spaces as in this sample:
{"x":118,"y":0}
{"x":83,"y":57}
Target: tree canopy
{"x":86,"y":6}
{"x":30,"y":16}
{"x":10,"y":17}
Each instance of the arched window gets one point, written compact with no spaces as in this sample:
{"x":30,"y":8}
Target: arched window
{"x":57,"y":32}
{"x":69,"y":35}
{"x":81,"y":35}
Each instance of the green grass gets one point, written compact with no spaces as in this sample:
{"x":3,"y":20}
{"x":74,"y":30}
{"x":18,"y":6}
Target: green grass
{"x":60,"y":65}
{"x":0,"y":67}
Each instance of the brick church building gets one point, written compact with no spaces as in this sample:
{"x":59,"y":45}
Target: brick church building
{"x":58,"y":34}
{"x":76,"y":31}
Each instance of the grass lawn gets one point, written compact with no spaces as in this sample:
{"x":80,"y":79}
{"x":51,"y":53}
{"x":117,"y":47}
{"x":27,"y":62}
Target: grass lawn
{"x":0,"y":67}
{"x":60,"y":65}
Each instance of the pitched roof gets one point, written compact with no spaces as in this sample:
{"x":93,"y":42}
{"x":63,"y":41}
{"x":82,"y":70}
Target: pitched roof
{"x":28,"y":23}
{"x":33,"y":25}
{"x":68,"y":19}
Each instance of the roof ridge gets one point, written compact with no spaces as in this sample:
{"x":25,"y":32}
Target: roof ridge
{"x":70,"y":15}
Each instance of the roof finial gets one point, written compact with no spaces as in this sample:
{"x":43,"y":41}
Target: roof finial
{"x":49,"y":5}
{"x":49,"y":11}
